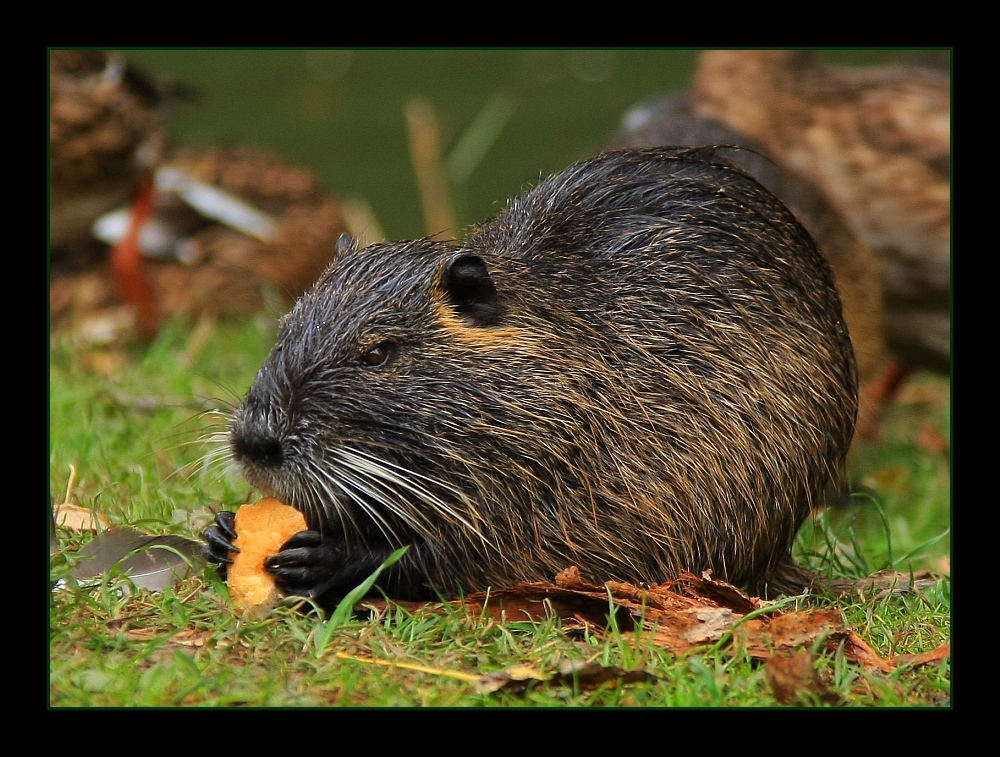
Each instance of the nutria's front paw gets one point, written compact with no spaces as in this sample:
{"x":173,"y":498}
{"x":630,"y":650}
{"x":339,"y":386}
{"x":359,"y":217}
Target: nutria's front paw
{"x":313,"y":566}
{"x":219,"y":540}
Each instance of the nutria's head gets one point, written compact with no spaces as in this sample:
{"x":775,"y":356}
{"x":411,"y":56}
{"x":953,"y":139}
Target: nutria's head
{"x":359,"y":384}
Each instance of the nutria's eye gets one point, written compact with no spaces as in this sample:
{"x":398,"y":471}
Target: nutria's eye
{"x":377,"y":355}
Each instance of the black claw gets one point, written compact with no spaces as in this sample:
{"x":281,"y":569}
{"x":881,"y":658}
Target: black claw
{"x":226,"y":520}
{"x":220,"y":537}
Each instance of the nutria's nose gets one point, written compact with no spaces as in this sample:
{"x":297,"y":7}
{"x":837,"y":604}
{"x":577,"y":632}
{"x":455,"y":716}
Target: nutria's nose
{"x":256,"y":448}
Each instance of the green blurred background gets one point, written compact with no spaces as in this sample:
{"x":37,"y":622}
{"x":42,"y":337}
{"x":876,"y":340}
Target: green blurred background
{"x":341,"y":112}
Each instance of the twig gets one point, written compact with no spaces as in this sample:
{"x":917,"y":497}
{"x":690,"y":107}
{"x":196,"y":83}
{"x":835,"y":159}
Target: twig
{"x":425,"y":151}
{"x":469,"y":677}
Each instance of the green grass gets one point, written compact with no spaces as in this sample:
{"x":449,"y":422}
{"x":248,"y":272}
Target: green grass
{"x":900,"y":514}
{"x":134,"y":425}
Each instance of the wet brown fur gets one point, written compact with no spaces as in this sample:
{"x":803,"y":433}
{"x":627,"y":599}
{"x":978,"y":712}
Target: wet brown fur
{"x":639,"y":367}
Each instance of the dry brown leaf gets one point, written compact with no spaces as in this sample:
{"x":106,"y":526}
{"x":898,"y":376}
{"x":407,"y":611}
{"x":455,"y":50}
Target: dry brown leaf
{"x":678,"y":616}
{"x":857,"y":650}
{"x":793,"y":678}
{"x":721,"y":593}
{"x":803,"y":627}
{"x":763,"y":637}
{"x":680,"y":631}
{"x":514,"y":678}
{"x":74,"y":517}
{"x":931,"y":657}
{"x":590,"y":675}
{"x":537,"y":601}
{"x":80,"y":519}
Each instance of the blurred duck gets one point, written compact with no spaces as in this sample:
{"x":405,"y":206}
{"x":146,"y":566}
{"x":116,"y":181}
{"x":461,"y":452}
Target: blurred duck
{"x":229,"y":231}
{"x":670,"y":121}
{"x":139,"y":233}
{"x":877,"y":144}
{"x":105,"y":138}
{"x":105,"y":135}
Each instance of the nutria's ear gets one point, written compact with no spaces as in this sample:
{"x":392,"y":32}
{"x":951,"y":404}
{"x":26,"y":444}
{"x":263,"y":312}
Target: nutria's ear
{"x":469,"y":288}
{"x":346,"y":244}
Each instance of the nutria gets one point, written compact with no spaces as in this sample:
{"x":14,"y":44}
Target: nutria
{"x":639,"y":367}
{"x":671,"y":121}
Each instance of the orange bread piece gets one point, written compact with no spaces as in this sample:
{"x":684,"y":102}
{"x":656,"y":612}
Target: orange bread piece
{"x":261,"y":529}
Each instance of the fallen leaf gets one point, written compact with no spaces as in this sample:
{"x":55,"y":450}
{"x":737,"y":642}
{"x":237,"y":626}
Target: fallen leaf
{"x":803,"y":627}
{"x":80,"y":519}
{"x":930,"y":657}
{"x":514,"y":678}
{"x":679,"y":616}
{"x":793,"y":678}
{"x":719,"y":592}
{"x":537,"y":601}
{"x":590,"y":675}
{"x":184,"y":638}
{"x":857,"y":650}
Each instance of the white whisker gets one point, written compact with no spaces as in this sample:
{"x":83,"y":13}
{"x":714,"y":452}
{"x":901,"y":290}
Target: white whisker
{"x":395,"y":479}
